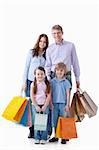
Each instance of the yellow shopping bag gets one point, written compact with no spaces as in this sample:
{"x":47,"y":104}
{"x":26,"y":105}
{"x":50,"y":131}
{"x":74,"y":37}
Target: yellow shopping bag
{"x":15,"y":109}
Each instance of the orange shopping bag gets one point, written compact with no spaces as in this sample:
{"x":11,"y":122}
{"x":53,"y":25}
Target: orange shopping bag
{"x":66,"y":128}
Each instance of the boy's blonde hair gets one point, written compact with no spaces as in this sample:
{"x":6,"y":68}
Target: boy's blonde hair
{"x":61,"y":65}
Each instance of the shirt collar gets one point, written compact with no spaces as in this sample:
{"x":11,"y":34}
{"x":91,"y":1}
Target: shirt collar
{"x":57,"y":80}
{"x":61,"y":43}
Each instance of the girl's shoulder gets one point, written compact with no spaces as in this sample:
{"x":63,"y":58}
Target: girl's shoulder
{"x":32,"y":84}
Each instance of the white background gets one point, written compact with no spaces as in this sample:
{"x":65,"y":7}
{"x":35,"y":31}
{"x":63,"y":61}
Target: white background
{"x":21,"y":23}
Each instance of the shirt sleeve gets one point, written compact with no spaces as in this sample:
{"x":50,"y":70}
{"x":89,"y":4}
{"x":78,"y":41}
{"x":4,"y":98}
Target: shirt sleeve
{"x":48,"y":64}
{"x":27,"y":65}
{"x":67,"y":84}
{"x":75,"y":63}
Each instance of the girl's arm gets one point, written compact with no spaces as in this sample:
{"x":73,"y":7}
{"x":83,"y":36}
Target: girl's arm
{"x":38,"y":109}
{"x":46,"y":102}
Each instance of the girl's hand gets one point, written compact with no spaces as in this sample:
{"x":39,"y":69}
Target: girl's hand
{"x":67,"y":108}
{"x":38,"y":109}
{"x":43,"y":108}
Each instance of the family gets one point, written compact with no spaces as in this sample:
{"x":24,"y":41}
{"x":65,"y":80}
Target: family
{"x":47,"y":80}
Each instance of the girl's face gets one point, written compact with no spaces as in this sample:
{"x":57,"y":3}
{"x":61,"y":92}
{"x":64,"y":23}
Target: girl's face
{"x":60,"y":73}
{"x":40,"y":76}
{"x":42,"y":43}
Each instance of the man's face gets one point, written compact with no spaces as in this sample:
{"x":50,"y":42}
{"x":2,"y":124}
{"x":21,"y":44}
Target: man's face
{"x":57,"y":35}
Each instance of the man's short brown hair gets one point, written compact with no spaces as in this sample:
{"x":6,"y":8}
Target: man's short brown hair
{"x":57,"y":27}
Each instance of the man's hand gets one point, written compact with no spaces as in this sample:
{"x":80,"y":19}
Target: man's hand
{"x":77,"y":84}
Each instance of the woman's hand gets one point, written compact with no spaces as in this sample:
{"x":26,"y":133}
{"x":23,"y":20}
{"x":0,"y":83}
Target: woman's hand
{"x":24,"y":87}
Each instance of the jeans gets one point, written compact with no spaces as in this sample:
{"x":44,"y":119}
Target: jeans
{"x":58,"y":111}
{"x":28,"y":88}
{"x":40,"y":135}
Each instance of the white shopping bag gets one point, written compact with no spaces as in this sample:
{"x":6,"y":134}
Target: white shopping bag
{"x":40,"y":122}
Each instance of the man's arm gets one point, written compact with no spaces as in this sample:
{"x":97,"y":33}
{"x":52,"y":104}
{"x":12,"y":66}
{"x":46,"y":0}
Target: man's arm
{"x":75,"y":64}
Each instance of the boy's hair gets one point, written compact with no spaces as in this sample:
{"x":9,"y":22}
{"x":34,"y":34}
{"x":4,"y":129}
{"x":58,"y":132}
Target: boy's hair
{"x":48,"y":88}
{"x":57,"y":27}
{"x":61,"y":65}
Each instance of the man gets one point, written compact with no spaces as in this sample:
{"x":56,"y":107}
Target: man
{"x":61,"y":51}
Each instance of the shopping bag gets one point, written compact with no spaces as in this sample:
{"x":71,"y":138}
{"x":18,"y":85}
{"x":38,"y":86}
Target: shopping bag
{"x":24,"y":118}
{"x":29,"y":121}
{"x":40,"y":122}
{"x":77,"y":110}
{"x":15,"y":109}
{"x":66,"y":128}
{"x":88,"y":104}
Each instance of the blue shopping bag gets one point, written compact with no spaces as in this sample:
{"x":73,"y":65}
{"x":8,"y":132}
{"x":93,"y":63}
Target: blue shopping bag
{"x":24,"y":118}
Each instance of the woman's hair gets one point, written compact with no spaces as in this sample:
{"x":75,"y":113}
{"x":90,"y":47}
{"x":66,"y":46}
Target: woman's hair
{"x":48,"y":88}
{"x":57,"y":27}
{"x":35,"y":50}
{"x":61,"y":65}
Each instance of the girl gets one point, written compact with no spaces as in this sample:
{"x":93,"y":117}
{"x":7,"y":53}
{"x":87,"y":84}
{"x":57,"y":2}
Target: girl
{"x":40,"y":96}
{"x":60,"y":96}
{"x":35,"y":58}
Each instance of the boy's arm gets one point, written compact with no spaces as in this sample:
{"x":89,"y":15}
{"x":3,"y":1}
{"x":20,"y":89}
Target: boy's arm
{"x":68,"y":99}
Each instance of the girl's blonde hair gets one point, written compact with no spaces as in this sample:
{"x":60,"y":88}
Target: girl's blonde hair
{"x":61,"y":65}
{"x":48,"y":88}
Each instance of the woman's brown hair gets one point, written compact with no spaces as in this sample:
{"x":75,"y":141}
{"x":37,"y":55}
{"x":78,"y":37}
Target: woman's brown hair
{"x":48,"y":88}
{"x":35,"y":50}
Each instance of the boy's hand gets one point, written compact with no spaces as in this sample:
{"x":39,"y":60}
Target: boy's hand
{"x":67,"y":108}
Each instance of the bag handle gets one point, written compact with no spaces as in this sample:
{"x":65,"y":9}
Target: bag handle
{"x":80,"y":90}
{"x":23,"y":94}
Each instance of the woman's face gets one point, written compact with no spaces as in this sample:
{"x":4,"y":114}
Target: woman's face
{"x":42,"y":43}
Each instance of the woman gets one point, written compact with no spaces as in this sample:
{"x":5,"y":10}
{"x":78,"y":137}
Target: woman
{"x":35,"y":58}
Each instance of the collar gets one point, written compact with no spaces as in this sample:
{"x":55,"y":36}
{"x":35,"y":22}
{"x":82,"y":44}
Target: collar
{"x":61,"y":43}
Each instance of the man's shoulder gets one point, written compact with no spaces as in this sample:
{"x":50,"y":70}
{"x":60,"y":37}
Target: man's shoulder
{"x":68,"y":42}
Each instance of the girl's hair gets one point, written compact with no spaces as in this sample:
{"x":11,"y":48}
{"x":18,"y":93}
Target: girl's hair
{"x":48,"y":88}
{"x":61,"y":65}
{"x":35,"y":50}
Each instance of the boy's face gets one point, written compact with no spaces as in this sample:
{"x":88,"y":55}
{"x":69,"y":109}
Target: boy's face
{"x":57,"y":35}
{"x":40,"y":76}
{"x":60,"y":73}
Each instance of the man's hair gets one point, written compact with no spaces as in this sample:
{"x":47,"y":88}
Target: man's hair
{"x":57,"y":27}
